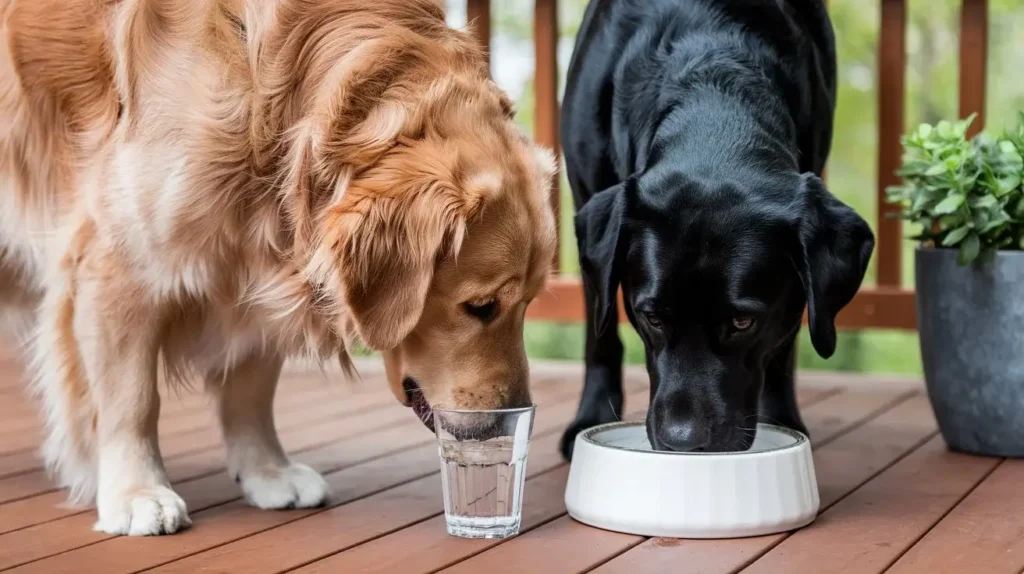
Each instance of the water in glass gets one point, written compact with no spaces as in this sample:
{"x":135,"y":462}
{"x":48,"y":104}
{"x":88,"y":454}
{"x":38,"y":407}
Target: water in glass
{"x":483,"y":486}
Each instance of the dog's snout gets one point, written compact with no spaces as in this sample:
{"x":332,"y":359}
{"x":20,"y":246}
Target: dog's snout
{"x":520,"y":397}
{"x":678,"y":425}
{"x":681,"y":435}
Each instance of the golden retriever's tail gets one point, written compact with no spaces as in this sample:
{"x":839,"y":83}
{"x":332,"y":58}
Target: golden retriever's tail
{"x":60,"y":379}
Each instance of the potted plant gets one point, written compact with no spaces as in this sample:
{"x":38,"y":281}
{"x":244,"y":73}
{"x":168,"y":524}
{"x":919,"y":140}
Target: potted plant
{"x":966,"y":196}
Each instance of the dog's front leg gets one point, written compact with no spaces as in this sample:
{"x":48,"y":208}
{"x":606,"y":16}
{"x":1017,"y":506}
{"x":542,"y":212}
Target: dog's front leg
{"x":245,"y":401}
{"x":602,"y":384}
{"x":117,"y":326}
{"x":778,"y":397}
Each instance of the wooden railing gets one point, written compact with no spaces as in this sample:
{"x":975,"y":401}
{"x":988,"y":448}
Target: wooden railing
{"x":886,"y":305}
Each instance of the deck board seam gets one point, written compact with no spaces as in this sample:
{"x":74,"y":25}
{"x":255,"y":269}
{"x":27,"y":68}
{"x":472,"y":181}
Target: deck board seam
{"x":290,"y":409}
{"x":216,"y":472}
{"x":253,"y":533}
{"x":381,"y":454}
{"x":557,"y":399}
{"x":823,"y":396}
{"x":898,"y":400}
{"x":845,"y":495}
{"x":948,"y":511}
{"x":542,"y":383}
{"x":208,"y":474}
{"x":414,"y":523}
{"x":323,"y":509}
{"x":867,"y":418}
{"x":608,"y":559}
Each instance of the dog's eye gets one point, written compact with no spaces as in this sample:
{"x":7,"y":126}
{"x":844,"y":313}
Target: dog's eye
{"x":484,"y":311}
{"x":742,"y":323}
{"x":654,"y":320}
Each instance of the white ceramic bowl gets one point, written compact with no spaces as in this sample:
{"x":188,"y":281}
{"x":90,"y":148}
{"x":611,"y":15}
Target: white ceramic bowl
{"x":616,"y":482}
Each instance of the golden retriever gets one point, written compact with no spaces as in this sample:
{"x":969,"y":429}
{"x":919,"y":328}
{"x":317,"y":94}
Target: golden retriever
{"x":216,"y":185}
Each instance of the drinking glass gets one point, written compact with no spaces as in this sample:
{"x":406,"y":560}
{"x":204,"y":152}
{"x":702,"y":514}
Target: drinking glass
{"x":483,"y":469}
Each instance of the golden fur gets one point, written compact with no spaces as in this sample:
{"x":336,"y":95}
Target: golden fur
{"x":220,"y":184}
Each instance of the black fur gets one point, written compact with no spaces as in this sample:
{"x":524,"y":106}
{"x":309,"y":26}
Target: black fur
{"x":695,"y":132}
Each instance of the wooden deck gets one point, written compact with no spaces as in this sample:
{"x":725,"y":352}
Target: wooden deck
{"x":893,"y":498}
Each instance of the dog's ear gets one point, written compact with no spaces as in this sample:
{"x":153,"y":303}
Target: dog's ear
{"x":389,"y":247}
{"x":599,"y":225}
{"x":835,"y":248}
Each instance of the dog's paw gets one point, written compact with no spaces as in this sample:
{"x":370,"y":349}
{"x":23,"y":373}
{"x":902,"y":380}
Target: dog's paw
{"x":143,"y":512}
{"x":583,"y":421}
{"x":293,"y":486}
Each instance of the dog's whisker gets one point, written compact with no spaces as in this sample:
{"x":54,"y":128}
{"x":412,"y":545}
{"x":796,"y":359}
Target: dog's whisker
{"x":614,"y":413}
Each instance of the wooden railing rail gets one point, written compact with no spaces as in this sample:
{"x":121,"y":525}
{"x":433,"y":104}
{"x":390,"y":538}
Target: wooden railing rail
{"x":887,"y":305}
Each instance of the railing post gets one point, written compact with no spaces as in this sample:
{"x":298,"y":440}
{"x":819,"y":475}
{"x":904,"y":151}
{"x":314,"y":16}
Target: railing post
{"x":973,"y":60}
{"x":891,"y":78}
{"x":478,"y":14}
{"x":545,"y":85}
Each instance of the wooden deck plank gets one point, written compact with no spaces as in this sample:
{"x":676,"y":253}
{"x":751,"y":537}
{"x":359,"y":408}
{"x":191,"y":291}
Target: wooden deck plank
{"x":301,"y":542}
{"x":557,"y":546}
{"x":311,"y":424}
{"x":350,"y":479}
{"x":544,"y":457}
{"x":307,"y":443}
{"x":49,"y":506}
{"x":562,"y":545}
{"x":325,"y":402}
{"x":388,"y":515}
{"x":294,"y":386}
{"x":368,"y":498}
{"x":868,"y":530}
{"x":292,"y":390}
{"x":984,"y":533}
{"x":223,"y":558}
{"x":425,"y":547}
{"x":841,"y":466}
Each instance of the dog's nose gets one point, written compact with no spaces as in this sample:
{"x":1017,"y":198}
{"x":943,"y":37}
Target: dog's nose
{"x":683,"y":435}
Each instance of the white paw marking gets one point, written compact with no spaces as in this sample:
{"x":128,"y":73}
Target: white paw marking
{"x":143,"y":512}
{"x":293,"y":486}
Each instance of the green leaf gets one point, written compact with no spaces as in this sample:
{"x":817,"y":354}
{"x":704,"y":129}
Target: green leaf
{"x":983,"y":202}
{"x":955,"y":236}
{"x":913,"y":167}
{"x":944,"y":129}
{"x":962,"y":125}
{"x":994,"y":224}
{"x":938,"y":169}
{"x":969,"y":249}
{"x":1008,"y":184}
{"x":947,"y":222}
{"x":980,"y":219}
{"x":949,"y":205}
{"x":919,"y":203}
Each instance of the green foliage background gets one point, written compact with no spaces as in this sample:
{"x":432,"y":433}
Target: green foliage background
{"x":931,"y":95}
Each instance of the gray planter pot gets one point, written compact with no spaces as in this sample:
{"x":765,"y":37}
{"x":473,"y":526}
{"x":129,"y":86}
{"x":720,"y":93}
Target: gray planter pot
{"x":971,"y":321}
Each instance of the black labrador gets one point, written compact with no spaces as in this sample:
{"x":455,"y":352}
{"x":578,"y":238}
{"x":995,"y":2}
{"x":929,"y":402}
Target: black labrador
{"x":695,"y":132}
